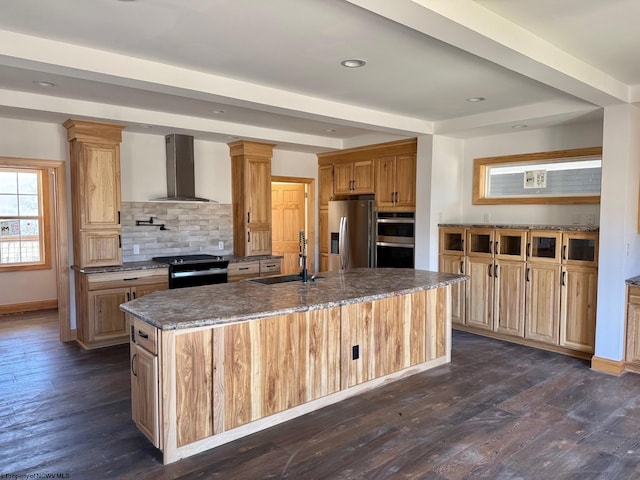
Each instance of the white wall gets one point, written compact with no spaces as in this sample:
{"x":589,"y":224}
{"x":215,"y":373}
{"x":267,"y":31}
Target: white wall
{"x":45,"y":141}
{"x":557,"y":138}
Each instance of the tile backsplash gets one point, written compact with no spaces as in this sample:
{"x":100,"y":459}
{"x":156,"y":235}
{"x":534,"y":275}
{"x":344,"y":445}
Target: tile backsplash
{"x":191,"y":228}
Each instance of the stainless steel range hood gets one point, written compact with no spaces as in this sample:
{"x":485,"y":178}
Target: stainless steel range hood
{"x":181,"y":185}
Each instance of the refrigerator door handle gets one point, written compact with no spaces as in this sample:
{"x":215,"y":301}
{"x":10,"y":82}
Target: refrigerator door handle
{"x":341,"y":242}
{"x":345,"y":243}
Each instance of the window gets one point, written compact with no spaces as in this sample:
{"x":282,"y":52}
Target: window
{"x":565,"y":176}
{"x":23,"y":219}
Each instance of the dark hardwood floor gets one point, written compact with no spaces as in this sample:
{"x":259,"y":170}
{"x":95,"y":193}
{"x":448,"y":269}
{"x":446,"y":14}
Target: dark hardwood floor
{"x":498,"y":411}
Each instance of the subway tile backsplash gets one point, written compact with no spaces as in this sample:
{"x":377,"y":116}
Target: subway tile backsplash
{"x":191,"y":228}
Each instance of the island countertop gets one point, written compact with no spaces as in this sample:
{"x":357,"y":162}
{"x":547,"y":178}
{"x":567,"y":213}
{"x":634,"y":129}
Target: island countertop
{"x":246,"y":300}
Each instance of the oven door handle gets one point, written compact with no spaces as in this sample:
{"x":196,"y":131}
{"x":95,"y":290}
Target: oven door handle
{"x":199,"y":273}
{"x":392,"y":244}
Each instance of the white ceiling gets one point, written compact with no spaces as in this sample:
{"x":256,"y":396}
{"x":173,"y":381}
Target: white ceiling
{"x":274,"y":66}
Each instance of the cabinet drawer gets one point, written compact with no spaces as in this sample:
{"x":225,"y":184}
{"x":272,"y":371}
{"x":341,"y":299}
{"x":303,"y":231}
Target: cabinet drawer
{"x":634,"y":295}
{"x":270,"y":267}
{"x":145,"y":335}
{"x":243,"y":268}
{"x":129,"y":278}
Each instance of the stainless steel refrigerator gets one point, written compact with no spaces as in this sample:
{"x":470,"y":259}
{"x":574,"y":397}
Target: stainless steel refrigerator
{"x":352,"y":235}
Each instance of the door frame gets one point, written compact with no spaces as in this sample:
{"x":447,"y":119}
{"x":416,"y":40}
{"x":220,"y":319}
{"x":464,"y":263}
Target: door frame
{"x":60,"y":238}
{"x":310,"y":187}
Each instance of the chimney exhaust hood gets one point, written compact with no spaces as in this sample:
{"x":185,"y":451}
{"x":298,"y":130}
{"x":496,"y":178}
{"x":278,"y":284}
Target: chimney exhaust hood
{"x":181,"y":184}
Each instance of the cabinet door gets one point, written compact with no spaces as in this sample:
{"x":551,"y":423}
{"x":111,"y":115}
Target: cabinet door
{"x":632,"y":354}
{"x":106,"y":321}
{"x":258,"y":190}
{"x":452,"y":241}
{"x":99,"y":248}
{"x":480,"y":313}
{"x":580,"y":248}
{"x":142,"y":290}
{"x":405,"y":181}
{"x":363,"y":177}
{"x":342,"y":176}
{"x":578,"y":308}
{"x":259,"y":241}
{"x":325,"y":185}
{"x":99,"y":186}
{"x":385,"y":181}
{"x":480,"y":242}
{"x":323,"y":230}
{"x":543,"y":303}
{"x":144,"y":392}
{"x":324,"y":262}
{"x":509,"y":298}
{"x":455,"y":264}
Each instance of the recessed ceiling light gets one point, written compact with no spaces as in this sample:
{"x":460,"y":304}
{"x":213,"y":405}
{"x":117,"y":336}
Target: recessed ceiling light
{"x":330,"y":130}
{"x":232,"y":137}
{"x":519,"y":126}
{"x":476,"y":99}
{"x":353,"y":63}
{"x":217,"y":111}
{"x":146,"y":125}
{"x":43,"y":83}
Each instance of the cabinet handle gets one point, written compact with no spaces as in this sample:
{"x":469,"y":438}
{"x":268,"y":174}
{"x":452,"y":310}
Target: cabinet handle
{"x":270,"y":266}
{"x":133,"y":294}
{"x":248,"y":237}
{"x":119,"y":222}
{"x":527,"y":277}
{"x":243,"y":268}
{"x":489,"y":270}
{"x":564,"y":279}
{"x":130,"y":279}
{"x":491,"y":246}
{"x":564,"y":252}
{"x":119,"y":241}
{"x":497,"y":247}
{"x":462,"y":266}
{"x":248,"y":217}
{"x":141,"y":334}
{"x":128,"y":296}
{"x":133,"y":359}
{"x":528,"y":249}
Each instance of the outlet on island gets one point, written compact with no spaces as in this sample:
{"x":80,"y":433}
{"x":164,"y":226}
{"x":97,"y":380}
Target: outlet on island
{"x":136,"y":249}
{"x":221,"y":245}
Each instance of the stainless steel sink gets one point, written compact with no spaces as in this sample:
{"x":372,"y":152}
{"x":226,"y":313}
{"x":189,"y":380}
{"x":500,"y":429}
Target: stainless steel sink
{"x":279,"y":279}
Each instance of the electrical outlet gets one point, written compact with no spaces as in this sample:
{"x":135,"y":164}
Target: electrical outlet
{"x":355,"y":352}
{"x":220,"y":245}
{"x":136,"y":249}
{"x":487,"y":217}
{"x":591,"y":218}
{"x":576,"y":219}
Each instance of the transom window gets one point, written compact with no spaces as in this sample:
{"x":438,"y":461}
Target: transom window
{"x":566,"y":176}
{"x":23,"y":236}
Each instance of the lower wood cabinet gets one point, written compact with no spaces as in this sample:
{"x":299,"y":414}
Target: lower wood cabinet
{"x":632,"y":351}
{"x":542,"y":317}
{"x":100,"y":322}
{"x":508,"y":301}
{"x":578,"y":308}
{"x":258,"y":268}
{"x":456,"y":264}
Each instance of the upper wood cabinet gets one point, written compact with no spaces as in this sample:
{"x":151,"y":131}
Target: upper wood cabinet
{"x":353,"y":177}
{"x":395,"y":180}
{"x":387,"y":170}
{"x":251,"y":197}
{"x":95,"y":178}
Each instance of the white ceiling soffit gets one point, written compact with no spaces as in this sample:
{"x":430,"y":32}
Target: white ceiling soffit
{"x":273,"y":67}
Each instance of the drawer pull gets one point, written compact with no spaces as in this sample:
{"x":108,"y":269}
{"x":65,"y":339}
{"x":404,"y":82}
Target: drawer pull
{"x":243,"y":268}
{"x":270,"y":266}
{"x":130,"y":279}
{"x":141,"y":334}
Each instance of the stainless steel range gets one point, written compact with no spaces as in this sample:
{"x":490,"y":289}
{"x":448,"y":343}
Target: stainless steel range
{"x":195,"y":270}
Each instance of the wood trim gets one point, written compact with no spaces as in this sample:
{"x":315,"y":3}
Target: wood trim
{"x":381,"y":149}
{"x":601,"y":364}
{"x":311,"y":209}
{"x":28,"y":306}
{"x":58,"y":213}
{"x":479,"y":177}
{"x":93,"y":132}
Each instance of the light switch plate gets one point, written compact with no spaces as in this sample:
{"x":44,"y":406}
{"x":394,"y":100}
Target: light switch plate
{"x":221,"y":245}
{"x":591,"y":218}
{"x":136,"y":249}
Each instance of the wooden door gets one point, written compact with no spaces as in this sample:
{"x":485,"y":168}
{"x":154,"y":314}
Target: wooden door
{"x":509,"y":284}
{"x":455,"y":264}
{"x":480,"y":312}
{"x":342,"y":176}
{"x":385,"y":181}
{"x":325,"y":185}
{"x":144,"y":392}
{"x":288,"y":219}
{"x":578,"y":308}
{"x":106,"y":321}
{"x":542,"y":318}
{"x":363,"y":176}
{"x":405,"y":177}
{"x":99,"y":186}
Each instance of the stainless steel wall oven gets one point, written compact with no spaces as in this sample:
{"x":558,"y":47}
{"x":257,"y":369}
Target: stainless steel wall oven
{"x":395,"y":240}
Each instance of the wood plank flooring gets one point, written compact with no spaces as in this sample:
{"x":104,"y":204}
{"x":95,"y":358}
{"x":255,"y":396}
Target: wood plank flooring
{"x":498,"y":411}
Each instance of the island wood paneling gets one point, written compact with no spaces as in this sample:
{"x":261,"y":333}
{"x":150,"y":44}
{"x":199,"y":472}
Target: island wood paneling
{"x":438,"y":322}
{"x":277,"y":363}
{"x":194,"y":386}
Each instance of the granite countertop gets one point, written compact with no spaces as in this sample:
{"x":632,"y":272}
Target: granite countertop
{"x":247,"y":300}
{"x":568,"y":228}
{"x":633,"y":280}
{"x":150,"y":264}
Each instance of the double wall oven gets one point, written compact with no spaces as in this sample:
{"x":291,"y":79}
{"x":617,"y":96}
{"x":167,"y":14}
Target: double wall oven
{"x":395,"y":240}
{"x":195,"y":270}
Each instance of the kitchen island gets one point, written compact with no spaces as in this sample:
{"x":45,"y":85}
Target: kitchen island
{"x":214,"y":363}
